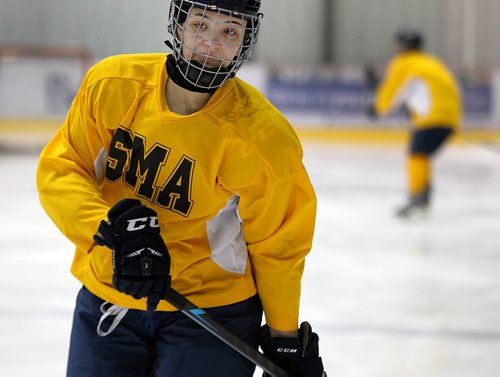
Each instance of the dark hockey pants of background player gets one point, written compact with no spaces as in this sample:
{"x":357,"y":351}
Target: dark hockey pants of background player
{"x":154,"y":344}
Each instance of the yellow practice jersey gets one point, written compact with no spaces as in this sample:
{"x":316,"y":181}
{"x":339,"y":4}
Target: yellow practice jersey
{"x":427,"y":88}
{"x":234,"y":201}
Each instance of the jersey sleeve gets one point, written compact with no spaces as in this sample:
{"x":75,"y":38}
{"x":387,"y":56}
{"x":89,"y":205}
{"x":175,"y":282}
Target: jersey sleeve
{"x":278,"y":225}
{"x":277,"y":207}
{"x":66,"y":178}
{"x":386,"y":94}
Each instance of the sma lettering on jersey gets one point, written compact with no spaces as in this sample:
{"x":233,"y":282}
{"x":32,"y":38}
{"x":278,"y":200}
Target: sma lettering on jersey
{"x":139,"y":168}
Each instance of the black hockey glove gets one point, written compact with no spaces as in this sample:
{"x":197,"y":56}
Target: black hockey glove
{"x":141,"y":263}
{"x":299,"y":357}
{"x":371,"y":112}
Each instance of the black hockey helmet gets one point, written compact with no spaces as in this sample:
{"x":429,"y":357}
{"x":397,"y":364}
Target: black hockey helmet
{"x":410,"y":39}
{"x":250,"y":7}
{"x":197,"y":76}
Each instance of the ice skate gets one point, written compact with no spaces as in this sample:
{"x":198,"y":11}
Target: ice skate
{"x":417,"y":208}
{"x":413,"y":211}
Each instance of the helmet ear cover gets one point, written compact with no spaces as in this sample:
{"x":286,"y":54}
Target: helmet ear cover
{"x":196,"y":74}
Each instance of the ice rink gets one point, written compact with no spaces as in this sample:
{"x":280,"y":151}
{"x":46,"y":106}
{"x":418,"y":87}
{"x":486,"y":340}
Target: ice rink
{"x":388,"y":298}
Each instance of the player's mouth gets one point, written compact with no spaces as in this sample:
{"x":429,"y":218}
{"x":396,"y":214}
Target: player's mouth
{"x":209,"y":61}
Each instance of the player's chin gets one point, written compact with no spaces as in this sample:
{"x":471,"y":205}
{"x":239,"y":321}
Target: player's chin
{"x":210,"y":63}
{"x":214,"y":65}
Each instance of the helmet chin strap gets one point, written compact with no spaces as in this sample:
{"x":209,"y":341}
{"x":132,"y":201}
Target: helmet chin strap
{"x":195,"y":72}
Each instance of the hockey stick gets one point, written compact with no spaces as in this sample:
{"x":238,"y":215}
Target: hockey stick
{"x":201,"y":317}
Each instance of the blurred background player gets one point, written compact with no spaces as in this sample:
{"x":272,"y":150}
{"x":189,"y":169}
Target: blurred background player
{"x":426,"y":89}
{"x":194,"y":180}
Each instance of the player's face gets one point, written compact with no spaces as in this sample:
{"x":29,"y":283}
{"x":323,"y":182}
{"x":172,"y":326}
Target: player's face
{"x":398,"y":47}
{"x":211,"y":38}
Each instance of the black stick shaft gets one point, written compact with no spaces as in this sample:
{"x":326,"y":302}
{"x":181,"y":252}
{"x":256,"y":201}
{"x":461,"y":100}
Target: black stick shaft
{"x":204,"y":320}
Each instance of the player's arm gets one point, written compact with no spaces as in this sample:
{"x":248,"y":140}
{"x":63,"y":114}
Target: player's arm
{"x":286,"y":211}
{"x":278,"y":224}
{"x":66,"y":179}
{"x":278,"y":214}
{"x":283,"y":334}
{"x":386,"y":96}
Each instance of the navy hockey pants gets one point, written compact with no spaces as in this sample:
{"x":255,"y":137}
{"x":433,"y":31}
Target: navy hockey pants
{"x":160,"y":344}
{"x":428,"y":140}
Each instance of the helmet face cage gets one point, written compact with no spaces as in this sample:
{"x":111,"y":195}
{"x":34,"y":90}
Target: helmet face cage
{"x":198,"y":73}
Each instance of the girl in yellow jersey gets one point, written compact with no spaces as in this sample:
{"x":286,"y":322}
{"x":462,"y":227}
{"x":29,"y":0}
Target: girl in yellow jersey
{"x":426,"y":88}
{"x":194,"y":181}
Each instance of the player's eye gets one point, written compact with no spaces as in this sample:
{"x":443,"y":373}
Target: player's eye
{"x":200,"y":25}
{"x":196,"y":25}
{"x":232,"y":32}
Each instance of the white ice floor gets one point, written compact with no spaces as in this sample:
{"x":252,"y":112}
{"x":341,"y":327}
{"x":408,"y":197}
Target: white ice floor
{"x":388,"y":298}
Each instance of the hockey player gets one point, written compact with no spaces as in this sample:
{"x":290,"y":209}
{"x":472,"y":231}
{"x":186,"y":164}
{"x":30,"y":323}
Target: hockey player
{"x":194,"y":181}
{"x":425,"y":87}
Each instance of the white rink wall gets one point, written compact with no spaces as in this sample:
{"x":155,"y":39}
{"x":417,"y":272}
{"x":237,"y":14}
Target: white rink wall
{"x":43,"y":87}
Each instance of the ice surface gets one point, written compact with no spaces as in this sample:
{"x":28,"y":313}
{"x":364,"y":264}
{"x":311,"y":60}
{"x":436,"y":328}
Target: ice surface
{"x":388,"y":298}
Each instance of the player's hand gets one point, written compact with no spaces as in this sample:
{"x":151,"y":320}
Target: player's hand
{"x":141,"y":263}
{"x":299,"y":357}
{"x":371,"y":112}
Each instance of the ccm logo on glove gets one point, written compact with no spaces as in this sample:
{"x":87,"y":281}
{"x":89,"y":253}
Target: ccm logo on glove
{"x":287,"y":350}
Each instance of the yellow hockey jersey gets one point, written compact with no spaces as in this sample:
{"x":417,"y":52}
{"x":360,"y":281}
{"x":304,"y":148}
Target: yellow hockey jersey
{"x":425,"y":86}
{"x":234,"y":201}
